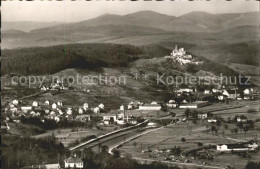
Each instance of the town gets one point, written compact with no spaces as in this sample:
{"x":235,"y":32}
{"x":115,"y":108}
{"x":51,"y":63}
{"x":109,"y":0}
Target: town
{"x":200,"y":106}
{"x":130,"y":85}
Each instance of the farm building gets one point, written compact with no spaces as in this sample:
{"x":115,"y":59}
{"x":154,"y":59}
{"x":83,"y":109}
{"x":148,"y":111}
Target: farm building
{"x":26,"y":108}
{"x":202,"y":115}
{"x":237,"y":147}
{"x":35,"y":104}
{"x":194,"y":105}
{"x":109,"y":118}
{"x":82,"y":118}
{"x":231,"y":94}
{"x":73,"y":162}
{"x":150,"y":107}
{"x":52,"y":166}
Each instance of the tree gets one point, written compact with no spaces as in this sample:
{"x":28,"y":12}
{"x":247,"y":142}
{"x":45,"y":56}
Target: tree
{"x":176,"y":150}
{"x":252,"y":165}
{"x":173,"y":114}
{"x":245,"y":128}
{"x":214,"y":129}
{"x":104,"y":149}
{"x":236,"y":130}
{"x":187,"y":113}
{"x":226,"y":126}
{"x":183,"y":139}
{"x":116,"y":153}
{"x":200,"y":144}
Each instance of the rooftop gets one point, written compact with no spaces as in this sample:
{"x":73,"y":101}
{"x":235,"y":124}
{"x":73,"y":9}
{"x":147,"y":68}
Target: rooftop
{"x":73,"y":160}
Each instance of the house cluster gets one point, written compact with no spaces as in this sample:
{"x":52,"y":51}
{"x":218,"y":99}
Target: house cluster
{"x":137,"y":105}
{"x":220,"y":93}
{"x":119,"y":117}
{"x":153,"y":106}
{"x":180,"y":56}
{"x":56,"y":85}
{"x":43,"y":166}
{"x":239,"y":147}
{"x":46,"y":110}
{"x":73,"y":162}
{"x":235,"y":94}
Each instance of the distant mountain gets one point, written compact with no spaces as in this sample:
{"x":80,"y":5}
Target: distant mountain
{"x":214,"y":36}
{"x":12,"y":31}
{"x":206,"y":22}
{"x":191,"y":22}
{"x":27,"y":26}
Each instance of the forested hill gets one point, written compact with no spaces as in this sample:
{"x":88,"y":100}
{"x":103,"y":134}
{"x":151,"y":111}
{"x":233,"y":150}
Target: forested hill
{"x":49,"y":60}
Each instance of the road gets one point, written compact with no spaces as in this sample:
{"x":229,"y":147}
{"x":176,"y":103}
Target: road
{"x":117,"y":139}
{"x":169,"y":163}
{"x":111,"y":139}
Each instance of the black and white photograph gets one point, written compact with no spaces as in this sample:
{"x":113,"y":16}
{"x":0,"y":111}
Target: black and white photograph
{"x":121,"y":84}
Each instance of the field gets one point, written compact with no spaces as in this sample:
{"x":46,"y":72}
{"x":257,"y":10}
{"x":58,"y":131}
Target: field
{"x":154,"y":144}
{"x":71,"y":135}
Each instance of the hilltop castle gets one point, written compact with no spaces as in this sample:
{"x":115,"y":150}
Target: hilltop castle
{"x":180,"y":56}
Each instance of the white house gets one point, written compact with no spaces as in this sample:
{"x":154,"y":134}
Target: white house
{"x":35,"y":104}
{"x":185,"y":90}
{"x":43,"y":88}
{"x":60,"y":104}
{"x":194,"y":105}
{"x":239,"y":147}
{"x":232,"y":94}
{"x":26,"y":108}
{"x":242,"y":119}
{"x":54,"y":106}
{"x":184,"y":101}
{"x":52,"y":113}
{"x":32,"y":113}
{"x":69,"y":111}
{"x":13,"y":109}
{"x":85,"y":106}
{"x":171,"y":101}
{"x":109,"y":118}
{"x":207,"y":91}
{"x":80,"y":111}
{"x":122,"y":107}
{"x":212,"y":120}
{"x":214,"y":90}
{"x":221,"y":147}
{"x":73,"y":162}
{"x":101,"y":106}
{"x":56,"y":118}
{"x":248,"y":91}
{"x":221,"y":97}
{"x":96,"y":110}
{"x":130,"y":107}
{"x":52,"y":166}
{"x":154,"y":103}
{"x":171,"y":105}
{"x":203,"y":115}
{"x":60,"y":112}
{"x":47,"y":102}
{"x":150,"y":107}
{"x":15,"y":102}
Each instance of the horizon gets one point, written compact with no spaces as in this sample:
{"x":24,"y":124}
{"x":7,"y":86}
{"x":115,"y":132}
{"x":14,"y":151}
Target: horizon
{"x":69,"y":12}
{"x":134,"y":13}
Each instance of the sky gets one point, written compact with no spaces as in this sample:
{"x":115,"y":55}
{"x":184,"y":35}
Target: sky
{"x":74,"y":11}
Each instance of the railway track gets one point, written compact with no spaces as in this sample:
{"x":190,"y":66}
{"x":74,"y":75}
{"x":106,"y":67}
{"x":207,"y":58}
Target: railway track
{"x":111,"y":138}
